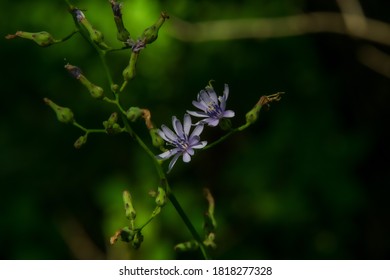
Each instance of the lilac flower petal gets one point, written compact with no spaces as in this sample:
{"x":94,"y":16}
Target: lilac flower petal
{"x":197,"y":131}
{"x":212,"y":121}
{"x":205,"y":97}
{"x":164,"y":155}
{"x":187,"y":123}
{"x":200,"y":105}
{"x":226,"y":92}
{"x":170,"y":135}
{"x":172,"y":163}
{"x":186,"y":157}
{"x":201,"y":145}
{"x":178,"y":127}
{"x":212,"y":95}
{"x":228,"y":114}
{"x":197,"y":114}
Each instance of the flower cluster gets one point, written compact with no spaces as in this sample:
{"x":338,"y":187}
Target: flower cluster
{"x":184,"y":142}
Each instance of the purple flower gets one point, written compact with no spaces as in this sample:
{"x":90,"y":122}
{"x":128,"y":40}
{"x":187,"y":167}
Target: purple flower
{"x":182,"y":141}
{"x":213,"y":107}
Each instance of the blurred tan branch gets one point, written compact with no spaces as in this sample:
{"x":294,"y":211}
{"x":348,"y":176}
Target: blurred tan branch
{"x":351,"y":22}
{"x":375,"y":31}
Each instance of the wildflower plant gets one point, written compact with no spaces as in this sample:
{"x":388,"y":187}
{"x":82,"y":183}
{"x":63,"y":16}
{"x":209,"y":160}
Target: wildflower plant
{"x":183,"y":140}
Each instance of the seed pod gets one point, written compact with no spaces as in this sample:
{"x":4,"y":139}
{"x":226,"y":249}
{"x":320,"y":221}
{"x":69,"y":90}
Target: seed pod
{"x":64,"y":114}
{"x":150,"y":34}
{"x":43,"y":38}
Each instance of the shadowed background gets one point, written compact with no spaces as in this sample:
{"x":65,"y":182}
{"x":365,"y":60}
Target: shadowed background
{"x":309,"y":180}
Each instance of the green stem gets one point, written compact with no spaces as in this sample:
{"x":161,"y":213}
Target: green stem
{"x":223,"y":138}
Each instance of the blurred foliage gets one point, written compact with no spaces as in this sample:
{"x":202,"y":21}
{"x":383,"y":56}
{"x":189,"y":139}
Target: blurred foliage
{"x":309,"y":181}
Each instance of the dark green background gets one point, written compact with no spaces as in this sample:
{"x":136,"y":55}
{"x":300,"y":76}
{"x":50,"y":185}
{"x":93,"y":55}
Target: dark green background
{"x":310,"y":180}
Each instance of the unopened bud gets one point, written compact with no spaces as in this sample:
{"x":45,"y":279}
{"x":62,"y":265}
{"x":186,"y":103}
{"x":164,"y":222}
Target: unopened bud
{"x":111,"y":125}
{"x":43,"y":38}
{"x":95,"y":91}
{"x":95,"y":35}
{"x":137,"y":240}
{"x":64,"y":114}
{"x":161,"y":198}
{"x":122,"y":34}
{"x":150,"y":34}
{"x":187,"y":246}
{"x":253,"y":114}
{"x":133,"y":113}
{"x":128,"y":203}
{"x":129,"y":72}
{"x":126,"y":234}
{"x":80,"y":142}
{"x":157,"y":141}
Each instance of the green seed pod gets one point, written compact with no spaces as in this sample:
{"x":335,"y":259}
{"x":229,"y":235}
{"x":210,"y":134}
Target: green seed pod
{"x":80,"y":141}
{"x":64,"y":114}
{"x":95,"y":91}
{"x":95,"y":35}
{"x":253,"y":114}
{"x":43,"y":38}
{"x":150,"y":34}
{"x":157,"y":141}
{"x":187,"y":246}
{"x":128,"y":203}
{"x":122,"y":34}
{"x":133,"y":113}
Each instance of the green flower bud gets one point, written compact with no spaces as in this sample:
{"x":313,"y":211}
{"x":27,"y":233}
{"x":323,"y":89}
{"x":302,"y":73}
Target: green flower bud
{"x":157,"y":141}
{"x":122,"y":34}
{"x":161,"y":198}
{"x":43,"y":38}
{"x":137,"y":240}
{"x":111,"y":125}
{"x":129,"y":72}
{"x":253,"y":114}
{"x":80,"y":142}
{"x":95,"y":35}
{"x":64,"y":114}
{"x":128,"y":203}
{"x":187,"y":246}
{"x":114,"y":88}
{"x":127,"y":234}
{"x":133,"y":113}
{"x":95,"y":91}
{"x":150,"y":34}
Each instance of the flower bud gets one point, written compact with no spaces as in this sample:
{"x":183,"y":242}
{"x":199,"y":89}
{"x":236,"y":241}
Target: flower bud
{"x":161,"y":198}
{"x":253,"y":114}
{"x":129,"y":72}
{"x":64,"y":114}
{"x":126,"y":234}
{"x":128,"y":203}
{"x":95,"y":35}
{"x":137,"y":240}
{"x":157,"y":141}
{"x":80,"y":142}
{"x":133,"y":113}
{"x":95,"y":91}
{"x":187,"y":246}
{"x":122,"y":34}
{"x":43,"y":38}
{"x":150,"y":34}
{"x":111,"y":125}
